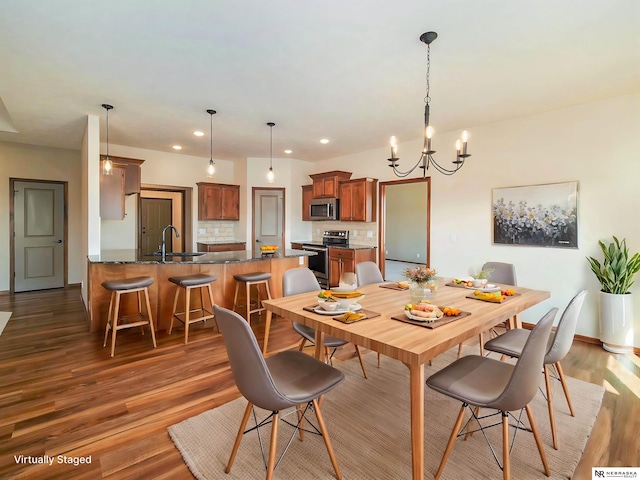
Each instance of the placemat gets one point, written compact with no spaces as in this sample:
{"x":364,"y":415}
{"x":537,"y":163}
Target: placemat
{"x":393,"y":286}
{"x":368,"y":313}
{"x":451,"y":284}
{"x":434,"y":324}
{"x":505,"y":299}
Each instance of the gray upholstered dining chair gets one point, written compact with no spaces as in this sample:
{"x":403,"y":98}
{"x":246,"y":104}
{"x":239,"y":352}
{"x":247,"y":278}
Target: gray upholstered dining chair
{"x":281,"y":381}
{"x":368,"y":273}
{"x":484,"y":382}
{"x":504,"y":273}
{"x":302,"y":280}
{"x":512,"y":342}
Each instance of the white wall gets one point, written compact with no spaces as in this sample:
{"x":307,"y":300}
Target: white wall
{"x":41,"y":163}
{"x":596,"y":144}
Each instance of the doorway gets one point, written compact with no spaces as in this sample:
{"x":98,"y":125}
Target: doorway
{"x":162,"y":205}
{"x":404,"y":227}
{"x":268,"y":217}
{"x":38,"y":245}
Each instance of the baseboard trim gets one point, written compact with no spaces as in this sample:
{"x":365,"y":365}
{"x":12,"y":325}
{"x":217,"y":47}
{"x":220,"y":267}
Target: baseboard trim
{"x":583,"y":338}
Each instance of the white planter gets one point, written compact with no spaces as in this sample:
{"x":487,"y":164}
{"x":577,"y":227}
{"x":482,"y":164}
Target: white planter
{"x":616,"y":322}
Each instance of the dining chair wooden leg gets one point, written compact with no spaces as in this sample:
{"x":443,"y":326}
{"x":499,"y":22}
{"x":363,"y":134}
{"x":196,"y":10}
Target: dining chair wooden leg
{"x":327,"y":357}
{"x":459,"y":350}
{"x":302,"y":342}
{"x":452,"y":439}
{"x":378,"y":360}
{"x":481,"y":339}
{"x":552,"y":420}
{"x":364,"y":372}
{"x":325,"y":436}
{"x":300,"y":412}
{"x":536,"y":435}
{"x":564,"y":387}
{"x":272,"y":446}
{"x":506,"y":464}
{"x":236,"y":445}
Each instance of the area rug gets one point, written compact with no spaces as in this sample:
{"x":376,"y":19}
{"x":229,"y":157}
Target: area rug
{"x":4,"y":319}
{"x":368,"y":422}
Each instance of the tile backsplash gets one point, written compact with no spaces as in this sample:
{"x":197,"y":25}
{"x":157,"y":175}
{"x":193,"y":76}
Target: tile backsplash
{"x":358,"y":231}
{"x":216,"y":231}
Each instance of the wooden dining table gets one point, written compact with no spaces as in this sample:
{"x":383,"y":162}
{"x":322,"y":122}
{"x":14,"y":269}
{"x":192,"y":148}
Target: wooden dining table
{"x":413,"y":345}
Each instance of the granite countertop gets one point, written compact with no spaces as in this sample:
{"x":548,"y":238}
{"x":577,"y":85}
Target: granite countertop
{"x":221,"y":242}
{"x":133,"y":256}
{"x":351,"y":246}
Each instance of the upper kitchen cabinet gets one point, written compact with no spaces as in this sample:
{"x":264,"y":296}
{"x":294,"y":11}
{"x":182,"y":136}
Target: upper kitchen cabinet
{"x":358,"y":200}
{"x":124,"y":180}
{"x":307,"y":195}
{"x":217,"y":201}
{"x":326,"y":184}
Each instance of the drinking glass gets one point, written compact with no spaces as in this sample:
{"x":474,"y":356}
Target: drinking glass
{"x":348,"y":280}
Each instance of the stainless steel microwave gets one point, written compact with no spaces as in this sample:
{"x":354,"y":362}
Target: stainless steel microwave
{"x":324,"y":209}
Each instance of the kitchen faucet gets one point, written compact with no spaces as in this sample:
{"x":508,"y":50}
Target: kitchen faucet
{"x":163,"y":247}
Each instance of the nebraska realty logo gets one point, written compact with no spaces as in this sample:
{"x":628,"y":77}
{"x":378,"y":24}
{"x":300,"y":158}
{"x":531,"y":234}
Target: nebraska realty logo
{"x":46,"y":459}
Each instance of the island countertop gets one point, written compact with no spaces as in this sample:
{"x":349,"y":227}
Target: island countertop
{"x":134,"y":256}
{"x":120,"y":264}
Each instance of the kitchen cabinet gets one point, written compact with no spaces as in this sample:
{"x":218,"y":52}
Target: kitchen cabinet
{"x":345,"y":259}
{"x":226,"y":247}
{"x":124,"y":180}
{"x":326,"y":184}
{"x":358,"y":200}
{"x":296,"y":246}
{"x":217,"y":201}
{"x":307,"y":195}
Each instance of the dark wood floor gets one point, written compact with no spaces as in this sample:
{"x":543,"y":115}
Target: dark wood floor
{"x":61,"y":393}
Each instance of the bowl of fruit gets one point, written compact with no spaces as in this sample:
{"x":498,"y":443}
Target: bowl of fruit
{"x":268,"y":249}
{"x":423,"y":312}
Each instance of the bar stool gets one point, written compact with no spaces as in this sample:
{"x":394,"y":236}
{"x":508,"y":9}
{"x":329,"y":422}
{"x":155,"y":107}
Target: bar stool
{"x":257,"y":279}
{"x":186,"y":283}
{"x":121,"y":287}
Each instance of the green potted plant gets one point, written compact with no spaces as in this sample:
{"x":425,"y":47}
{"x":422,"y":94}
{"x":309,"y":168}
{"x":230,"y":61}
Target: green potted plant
{"x":615,"y":275}
{"x":481,"y":278}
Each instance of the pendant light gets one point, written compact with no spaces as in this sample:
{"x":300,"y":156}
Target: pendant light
{"x":107,"y":166}
{"x":211,"y":169}
{"x":270,"y":175}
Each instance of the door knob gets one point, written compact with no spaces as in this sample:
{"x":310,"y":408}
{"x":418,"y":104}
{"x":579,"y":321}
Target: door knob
{"x":57,"y":241}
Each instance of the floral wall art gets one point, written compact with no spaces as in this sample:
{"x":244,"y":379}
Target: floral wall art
{"x":536,"y":215}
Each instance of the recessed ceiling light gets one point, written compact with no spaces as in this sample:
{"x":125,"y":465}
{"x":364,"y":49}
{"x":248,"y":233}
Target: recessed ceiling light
{"x":288,"y":151}
{"x":324,"y":140}
{"x":177,"y":147}
{"x":198,"y":133}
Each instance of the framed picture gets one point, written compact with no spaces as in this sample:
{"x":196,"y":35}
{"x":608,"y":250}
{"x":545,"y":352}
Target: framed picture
{"x":536,"y":215}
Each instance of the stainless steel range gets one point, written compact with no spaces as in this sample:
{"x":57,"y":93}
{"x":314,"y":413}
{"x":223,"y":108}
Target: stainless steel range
{"x":319,"y":263}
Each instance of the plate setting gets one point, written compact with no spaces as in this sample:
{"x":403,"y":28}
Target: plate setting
{"x":353,"y":308}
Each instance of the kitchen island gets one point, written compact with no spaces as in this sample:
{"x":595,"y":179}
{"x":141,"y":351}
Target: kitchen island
{"x":118,"y":264}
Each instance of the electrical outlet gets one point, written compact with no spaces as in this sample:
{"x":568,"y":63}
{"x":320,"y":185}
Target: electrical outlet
{"x":453,"y":238}
{"x":355,"y":233}
{"x":369,"y":234}
{"x":417,"y":255}
{"x":215,"y":230}
{"x":301,"y":260}
{"x":202,"y":231}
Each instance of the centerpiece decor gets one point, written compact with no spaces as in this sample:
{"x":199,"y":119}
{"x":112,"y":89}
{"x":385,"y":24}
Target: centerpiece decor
{"x":615,"y":275}
{"x":422,"y":283}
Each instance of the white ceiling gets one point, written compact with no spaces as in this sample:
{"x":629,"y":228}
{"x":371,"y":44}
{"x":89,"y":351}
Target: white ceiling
{"x":352,"y":71}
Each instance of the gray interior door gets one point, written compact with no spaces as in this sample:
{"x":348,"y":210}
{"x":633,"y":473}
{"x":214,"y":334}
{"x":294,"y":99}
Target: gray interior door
{"x":268,"y":218}
{"x":155,"y":215}
{"x":38,"y":235}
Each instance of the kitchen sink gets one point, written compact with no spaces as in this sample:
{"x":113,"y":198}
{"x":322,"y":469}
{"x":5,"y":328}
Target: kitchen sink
{"x":176,"y":254}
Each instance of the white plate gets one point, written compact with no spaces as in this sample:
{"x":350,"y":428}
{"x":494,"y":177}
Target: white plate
{"x":490,"y":287}
{"x":320,"y":311}
{"x":419,"y":319}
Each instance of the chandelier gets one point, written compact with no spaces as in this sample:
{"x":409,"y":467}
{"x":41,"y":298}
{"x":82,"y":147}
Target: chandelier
{"x":426,"y":157}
